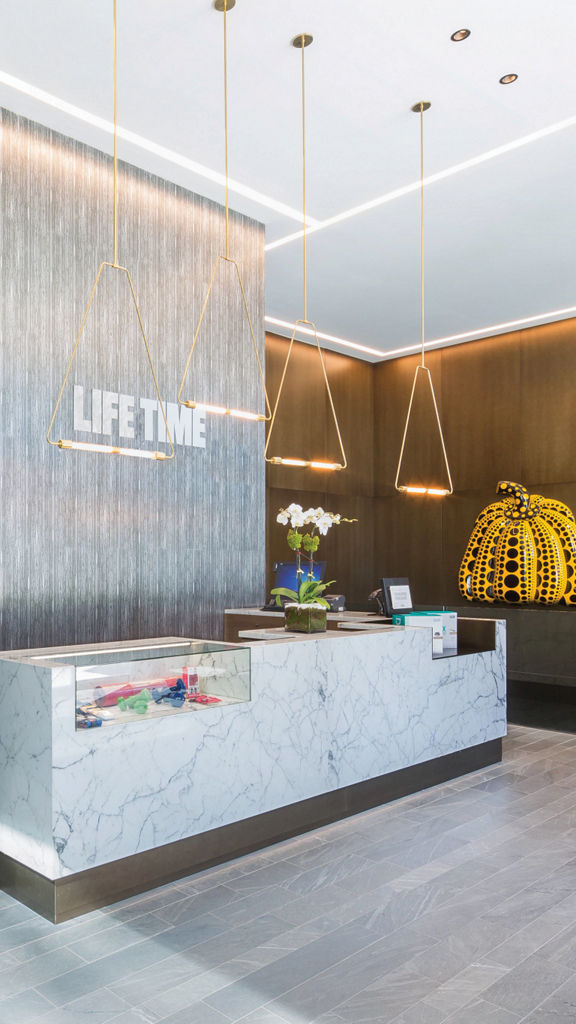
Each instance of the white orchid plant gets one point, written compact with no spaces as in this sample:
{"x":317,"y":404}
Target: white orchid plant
{"x":306,"y":543}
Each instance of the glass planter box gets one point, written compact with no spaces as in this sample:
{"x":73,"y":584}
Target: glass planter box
{"x":305,"y":618}
{"x":132,"y":685}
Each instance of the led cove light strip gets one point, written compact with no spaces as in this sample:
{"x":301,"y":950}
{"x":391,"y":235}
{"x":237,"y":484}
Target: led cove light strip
{"x":151,"y":147}
{"x":325,"y":337}
{"x":465,"y":165}
{"x":552,"y":315}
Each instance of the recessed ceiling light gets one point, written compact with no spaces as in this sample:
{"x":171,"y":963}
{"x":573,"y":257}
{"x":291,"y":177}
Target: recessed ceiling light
{"x":461,"y":34}
{"x":508,"y":79}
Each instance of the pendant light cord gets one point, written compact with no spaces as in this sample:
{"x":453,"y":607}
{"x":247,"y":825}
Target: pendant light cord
{"x":226,"y":129}
{"x":304,"y":236}
{"x":115,"y":258}
{"x":423,"y":363}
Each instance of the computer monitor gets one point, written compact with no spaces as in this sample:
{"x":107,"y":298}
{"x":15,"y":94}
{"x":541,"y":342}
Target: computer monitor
{"x":285,"y":574}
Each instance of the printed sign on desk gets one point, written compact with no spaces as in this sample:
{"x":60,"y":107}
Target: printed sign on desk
{"x":397,"y":596}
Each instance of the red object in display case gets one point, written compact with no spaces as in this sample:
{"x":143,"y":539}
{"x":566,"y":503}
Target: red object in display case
{"x":106,"y":697}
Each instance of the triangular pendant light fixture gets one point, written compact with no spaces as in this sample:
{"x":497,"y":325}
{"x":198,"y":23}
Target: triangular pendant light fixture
{"x":220,"y":264}
{"x":438,"y":489}
{"x":103,"y":449}
{"x":300,"y":42}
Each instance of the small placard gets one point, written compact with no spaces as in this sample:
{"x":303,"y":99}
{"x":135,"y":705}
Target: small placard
{"x":397,"y":596}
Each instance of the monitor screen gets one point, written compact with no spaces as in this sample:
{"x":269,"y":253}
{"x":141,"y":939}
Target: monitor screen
{"x":285,"y":573}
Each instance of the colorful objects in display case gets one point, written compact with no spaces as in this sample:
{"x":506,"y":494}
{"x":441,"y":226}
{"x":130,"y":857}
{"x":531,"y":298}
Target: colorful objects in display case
{"x":217,"y":674}
{"x":522,"y":550}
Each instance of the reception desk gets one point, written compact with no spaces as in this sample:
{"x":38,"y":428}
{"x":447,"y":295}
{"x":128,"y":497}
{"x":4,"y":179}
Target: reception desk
{"x":330,"y":725}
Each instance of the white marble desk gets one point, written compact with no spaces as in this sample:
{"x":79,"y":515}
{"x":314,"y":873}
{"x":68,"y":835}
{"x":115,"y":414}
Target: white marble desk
{"x":336,"y":723}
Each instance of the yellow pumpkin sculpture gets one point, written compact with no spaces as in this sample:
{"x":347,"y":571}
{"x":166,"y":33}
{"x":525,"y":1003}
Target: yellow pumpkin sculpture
{"x":522,"y":549}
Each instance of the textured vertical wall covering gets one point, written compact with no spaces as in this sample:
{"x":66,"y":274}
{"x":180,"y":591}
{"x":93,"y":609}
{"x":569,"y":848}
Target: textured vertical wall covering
{"x":102,"y":548}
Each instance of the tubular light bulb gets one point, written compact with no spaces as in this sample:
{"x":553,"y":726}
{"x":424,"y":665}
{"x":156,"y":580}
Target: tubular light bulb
{"x":245,"y":415}
{"x":437,"y":492}
{"x":221,"y":410}
{"x":106,"y":449}
{"x":278,"y":461}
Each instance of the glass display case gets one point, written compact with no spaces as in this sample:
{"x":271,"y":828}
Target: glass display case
{"x":122,"y":685}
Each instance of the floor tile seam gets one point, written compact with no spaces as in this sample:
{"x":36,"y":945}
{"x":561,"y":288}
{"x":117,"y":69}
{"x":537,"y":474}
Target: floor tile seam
{"x":55,"y":977}
{"x":533,"y":1009}
{"x":179,"y":954}
{"x":533,"y":952}
{"x":65,"y":929}
{"x":316,"y":977}
{"x":137,"y":971}
{"x":533,"y":853}
{"x":142,"y":899}
{"x":359,"y":991}
{"x":35,"y":989}
{"x":519,"y":893}
{"x":294,"y":898}
{"x":477,"y":992}
{"x":121,"y":950}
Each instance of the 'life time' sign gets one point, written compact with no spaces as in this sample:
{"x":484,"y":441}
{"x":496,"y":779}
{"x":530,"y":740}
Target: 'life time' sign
{"x":108,"y":412}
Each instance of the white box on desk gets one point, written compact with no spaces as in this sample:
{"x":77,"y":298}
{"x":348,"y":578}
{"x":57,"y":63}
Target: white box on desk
{"x":421,"y":620}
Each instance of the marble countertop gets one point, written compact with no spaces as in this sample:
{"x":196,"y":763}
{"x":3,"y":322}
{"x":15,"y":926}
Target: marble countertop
{"x":281,"y":635}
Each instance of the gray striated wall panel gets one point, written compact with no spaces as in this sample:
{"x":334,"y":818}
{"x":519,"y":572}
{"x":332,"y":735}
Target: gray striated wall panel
{"x":104,"y":548}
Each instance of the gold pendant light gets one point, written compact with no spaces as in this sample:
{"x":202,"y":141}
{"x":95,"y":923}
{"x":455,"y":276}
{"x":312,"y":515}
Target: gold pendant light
{"x":301,"y":42}
{"x":422,"y":369}
{"x":224,"y":410}
{"x":104,"y":449}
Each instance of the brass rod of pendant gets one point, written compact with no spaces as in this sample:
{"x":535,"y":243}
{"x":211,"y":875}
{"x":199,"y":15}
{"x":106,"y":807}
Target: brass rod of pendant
{"x":115,"y":63}
{"x":422,"y":328}
{"x":226,"y":129}
{"x":304,"y":236}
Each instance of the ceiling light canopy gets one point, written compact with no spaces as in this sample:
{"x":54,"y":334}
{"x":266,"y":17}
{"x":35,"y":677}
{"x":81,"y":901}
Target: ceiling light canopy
{"x":508,"y":79}
{"x":460,"y":35}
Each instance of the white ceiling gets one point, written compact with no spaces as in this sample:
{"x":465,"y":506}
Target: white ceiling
{"x":499,"y":235}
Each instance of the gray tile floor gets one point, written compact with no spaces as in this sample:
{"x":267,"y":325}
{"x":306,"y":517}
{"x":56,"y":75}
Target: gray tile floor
{"x":457,"y":905}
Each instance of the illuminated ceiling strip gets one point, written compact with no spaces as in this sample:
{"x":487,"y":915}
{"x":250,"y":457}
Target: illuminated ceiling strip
{"x":325,"y":337}
{"x":151,"y":147}
{"x":552,"y":315}
{"x":397,"y":193}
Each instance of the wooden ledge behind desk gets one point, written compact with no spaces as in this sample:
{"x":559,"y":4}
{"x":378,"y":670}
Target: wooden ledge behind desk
{"x":236,"y":619}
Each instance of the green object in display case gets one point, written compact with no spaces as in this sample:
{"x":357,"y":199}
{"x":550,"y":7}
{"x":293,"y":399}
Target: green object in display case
{"x":305,"y":618}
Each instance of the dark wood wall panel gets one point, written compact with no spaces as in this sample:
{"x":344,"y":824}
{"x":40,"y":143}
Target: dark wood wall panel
{"x":507,"y":410}
{"x":348,"y":549}
{"x":547,"y":409}
{"x":508,"y":413}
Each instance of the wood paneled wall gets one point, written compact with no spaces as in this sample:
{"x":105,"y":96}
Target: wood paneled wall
{"x":508,"y":412}
{"x":304,"y":422}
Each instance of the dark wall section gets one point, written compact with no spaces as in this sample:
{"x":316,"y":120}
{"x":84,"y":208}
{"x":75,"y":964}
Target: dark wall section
{"x":304,"y":428}
{"x":507,"y":409}
{"x":508,"y":413}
